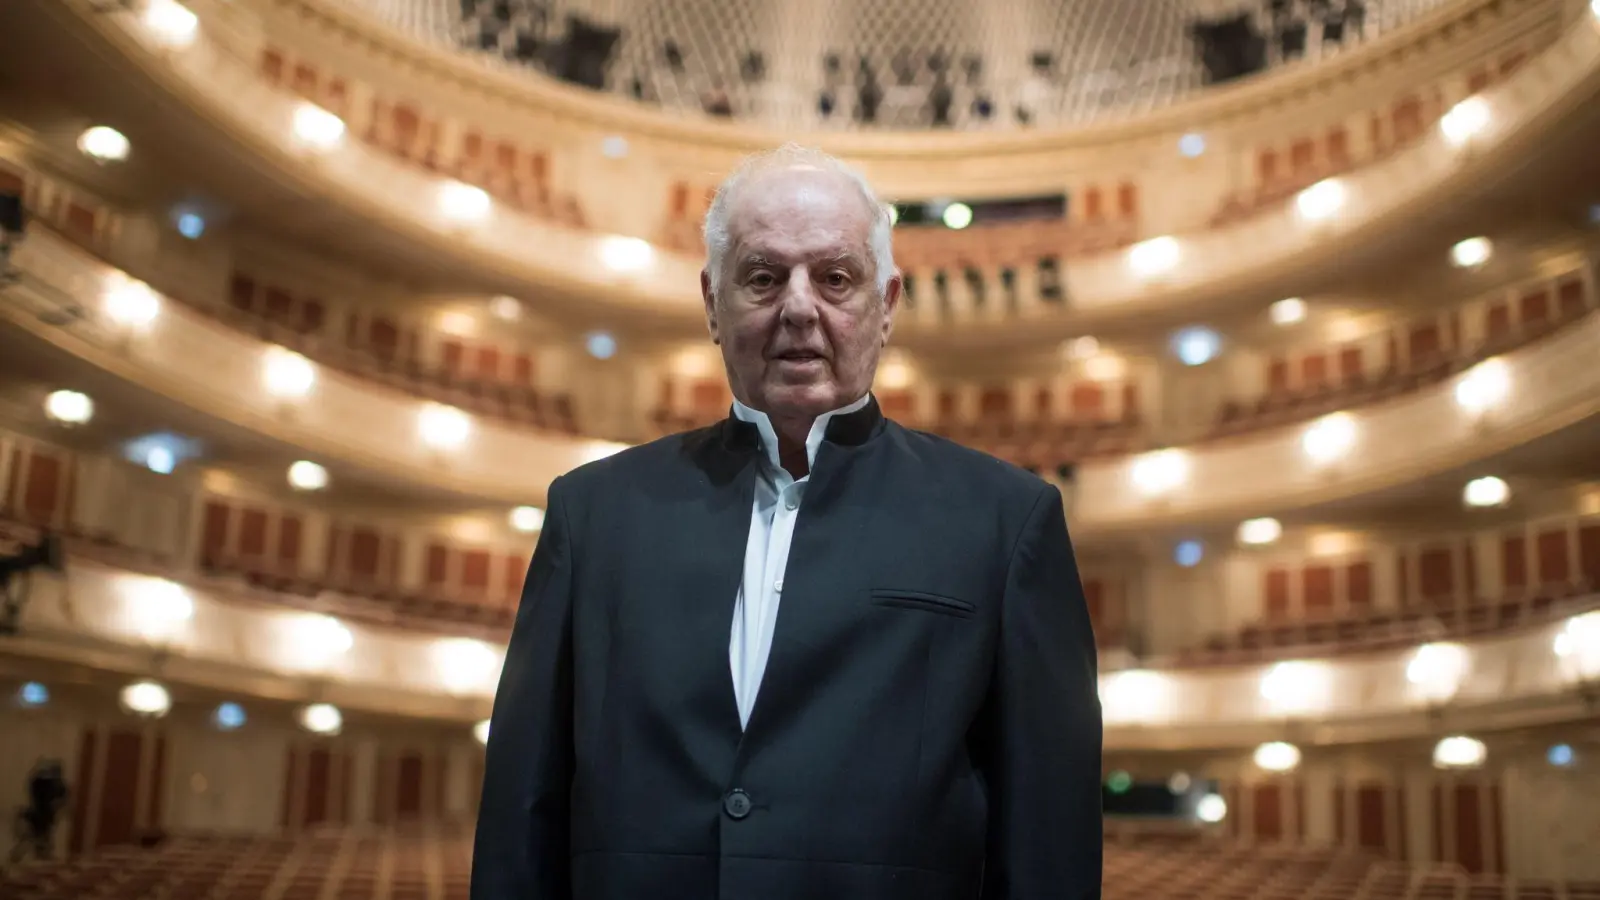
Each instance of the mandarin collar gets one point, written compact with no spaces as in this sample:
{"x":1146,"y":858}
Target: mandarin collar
{"x":850,"y":425}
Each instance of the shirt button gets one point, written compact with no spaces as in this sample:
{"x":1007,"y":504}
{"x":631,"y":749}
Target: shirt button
{"x":778,"y":585}
{"x":791,"y":503}
{"x":736,"y":804}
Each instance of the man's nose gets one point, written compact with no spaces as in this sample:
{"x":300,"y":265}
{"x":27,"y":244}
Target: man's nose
{"x":799,"y":300}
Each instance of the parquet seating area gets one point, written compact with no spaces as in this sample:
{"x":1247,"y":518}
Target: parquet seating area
{"x":1389,"y":629}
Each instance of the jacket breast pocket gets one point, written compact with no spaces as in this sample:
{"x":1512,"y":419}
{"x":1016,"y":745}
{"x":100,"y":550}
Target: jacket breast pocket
{"x":922,"y":600}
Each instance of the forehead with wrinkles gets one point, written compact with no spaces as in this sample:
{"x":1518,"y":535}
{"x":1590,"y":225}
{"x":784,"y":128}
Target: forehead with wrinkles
{"x":799,"y":211}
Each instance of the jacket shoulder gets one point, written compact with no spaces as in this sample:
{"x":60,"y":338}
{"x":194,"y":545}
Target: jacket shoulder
{"x":946,"y":458}
{"x":645,"y":460}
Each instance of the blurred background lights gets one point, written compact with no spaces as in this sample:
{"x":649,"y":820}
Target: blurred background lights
{"x":443,"y":427}
{"x":613,"y":146}
{"x":172,"y":23}
{"x":33,"y":693}
{"x":1133,"y":696}
{"x":1465,"y":121}
{"x":1329,"y":438}
{"x":158,"y":608}
{"x":288,"y":375}
{"x":191,"y":225}
{"x":957,"y":216}
{"x":506,"y":309}
{"x":1211,"y":809}
{"x":317,"y":128}
{"x":1192,"y":145}
{"x":600,"y":344}
{"x":463,"y":203}
{"x":1119,"y":782}
{"x":1196,"y":346}
{"x":1276,"y":756}
{"x":103,"y":144}
{"x":1322,"y":200}
{"x":322,"y":718}
{"x":1189,"y":553}
{"x":160,"y":452}
{"x":1471,"y":253}
{"x":1179,"y":783}
{"x":1255,"y":532}
{"x":1561,"y":755}
{"x":626,"y":254}
{"x":1459,"y":752}
{"x":1436,"y":670}
{"x":305,"y":475}
{"x":527,"y":519}
{"x":480,"y":731}
{"x":1486,"y":491}
{"x":1578,"y":644}
{"x":146,"y":698}
{"x":69,"y":407}
{"x":1295,"y":686}
{"x":1154,"y":256}
{"x":1159,"y":471}
{"x":465,"y":665}
{"x":229,"y":716}
{"x":131,"y":304}
{"x":1287,"y":311}
{"x":1484,"y":386}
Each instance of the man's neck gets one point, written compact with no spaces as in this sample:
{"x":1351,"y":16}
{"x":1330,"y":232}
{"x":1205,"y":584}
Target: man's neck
{"x":792,"y":434}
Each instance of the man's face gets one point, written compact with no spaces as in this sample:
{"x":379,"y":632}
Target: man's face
{"x":798,"y":316}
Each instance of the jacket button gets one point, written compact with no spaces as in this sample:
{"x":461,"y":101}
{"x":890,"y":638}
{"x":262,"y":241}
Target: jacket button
{"x":736,"y":804}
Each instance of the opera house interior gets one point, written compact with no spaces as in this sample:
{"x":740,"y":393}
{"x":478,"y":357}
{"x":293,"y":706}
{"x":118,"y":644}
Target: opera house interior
{"x":305,"y":303}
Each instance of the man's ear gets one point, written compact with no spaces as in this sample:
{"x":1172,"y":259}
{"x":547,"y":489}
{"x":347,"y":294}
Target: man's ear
{"x":710,"y":299}
{"x":891,"y":303}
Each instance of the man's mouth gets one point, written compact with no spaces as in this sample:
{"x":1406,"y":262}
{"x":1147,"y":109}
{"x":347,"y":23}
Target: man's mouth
{"x":799,"y":356}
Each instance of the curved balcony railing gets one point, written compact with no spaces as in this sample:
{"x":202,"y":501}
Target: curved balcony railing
{"x":122,"y":621}
{"x":216,"y":76}
{"x":1511,"y":400}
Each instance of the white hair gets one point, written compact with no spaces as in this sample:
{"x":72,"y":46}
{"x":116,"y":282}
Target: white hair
{"x":718,"y":239}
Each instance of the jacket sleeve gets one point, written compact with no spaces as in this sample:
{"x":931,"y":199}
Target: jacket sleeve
{"x":521,"y":849}
{"x":1039,"y":735}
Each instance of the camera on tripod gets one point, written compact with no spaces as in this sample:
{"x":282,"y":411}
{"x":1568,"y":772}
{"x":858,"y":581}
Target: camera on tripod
{"x":46,"y":553}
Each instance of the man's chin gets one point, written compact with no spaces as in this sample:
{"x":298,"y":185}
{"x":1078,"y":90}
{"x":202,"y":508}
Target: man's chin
{"x":797,"y":400}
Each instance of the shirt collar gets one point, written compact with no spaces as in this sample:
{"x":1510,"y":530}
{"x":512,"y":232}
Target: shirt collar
{"x":769,"y":435}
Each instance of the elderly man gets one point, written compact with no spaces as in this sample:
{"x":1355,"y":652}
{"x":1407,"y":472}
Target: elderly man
{"x":804,"y":653}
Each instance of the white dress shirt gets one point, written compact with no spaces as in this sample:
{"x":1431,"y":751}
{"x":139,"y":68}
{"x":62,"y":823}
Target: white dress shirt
{"x":766,"y":554}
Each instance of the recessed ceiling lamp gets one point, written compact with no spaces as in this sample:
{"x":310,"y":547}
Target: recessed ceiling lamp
{"x":1277,"y":756}
{"x":600,"y":344}
{"x":1465,"y":121}
{"x":1256,"y":532}
{"x":506,"y":309}
{"x":1321,"y":201}
{"x":527,"y":519}
{"x":621,"y":253}
{"x":322,"y":718}
{"x":103,"y":143}
{"x":1485,"y":492}
{"x":1196,"y":346}
{"x":443,"y":427}
{"x":1459,"y":752}
{"x":316,"y":128}
{"x":306,"y":475}
{"x":287,"y":374}
{"x":463,"y":203}
{"x":1192,"y":145}
{"x":172,"y":23}
{"x":146,"y":698}
{"x":957,"y":216}
{"x":1159,"y":472}
{"x":613,"y":146}
{"x":131,"y":304}
{"x":1155,"y":256}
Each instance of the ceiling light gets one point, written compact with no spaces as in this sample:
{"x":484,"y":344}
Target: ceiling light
{"x":322,"y":718}
{"x":894,"y":374}
{"x":1486,"y":491}
{"x":506,"y":309}
{"x":626,"y":254}
{"x":1322,"y":200}
{"x":131,"y":304}
{"x":160,"y":452}
{"x":1189,"y":553}
{"x":527,"y":519}
{"x":103,"y":144}
{"x":1192,"y":145}
{"x":316,"y":128}
{"x":69,"y":407}
{"x":1211,"y":809}
{"x":1484,"y":386}
{"x":613,"y":146}
{"x":1105,"y":367}
{"x":1196,"y":346}
{"x":1288,"y":311}
{"x":1277,"y":756}
{"x":172,"y":23}
{"x":1159,"y":472}
{"x":1459,"y":752}
{"x":1155,"y":256}
{"x":463,"y":203}
{"x":443,"y":427}
{"x":1329,"y":438}
{"x":160,"y":460}
{"x":146,"y":698}
{"x":229,"y":716}
{"x":458,"y":324}
{"x":1179,"y":783}
{"x":481,"y":731}
{"x":465,"y":665}
{"x":1085,"y":347}
{"x":306,"y":475}
{"x":594,"y":451}
{"x":1465,"y":121}
{"x":600,"y":344}
{"x":1561,"y":755}
{"x":1472,"y":252}
{"x":1256,"y":532}
{"x":957,"y":216}
{"x":1578,"y":644}
{"x":893,"y":213}
{"x":287,"y":374}
{"x":157,"y":608}
{"x":317,"y":639}
{"x":33,"y":693}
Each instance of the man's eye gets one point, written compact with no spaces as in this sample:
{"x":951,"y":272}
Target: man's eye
{"x":762,"y":280}
{"x":837,"y":279}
